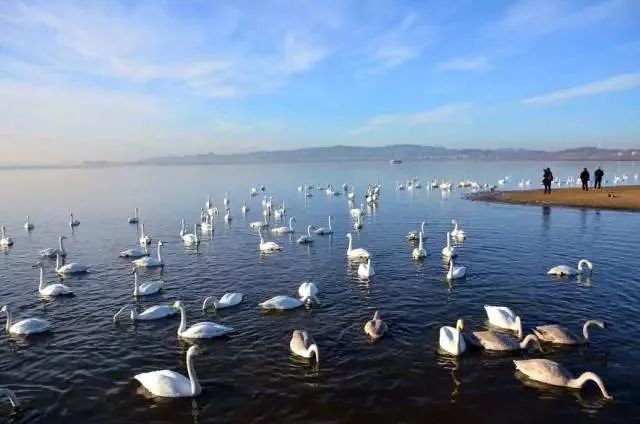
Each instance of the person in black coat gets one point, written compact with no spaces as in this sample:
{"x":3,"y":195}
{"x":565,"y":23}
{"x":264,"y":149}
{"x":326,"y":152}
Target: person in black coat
{"x":547,"y":179}
{"x":584,"y":177}
{"x":598,"y":178}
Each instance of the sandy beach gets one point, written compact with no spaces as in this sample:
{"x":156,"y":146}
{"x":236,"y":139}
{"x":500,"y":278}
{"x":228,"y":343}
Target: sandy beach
{"x":614,"y":198}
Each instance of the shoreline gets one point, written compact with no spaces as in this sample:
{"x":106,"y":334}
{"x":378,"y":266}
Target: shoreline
{"x":618,"y":198}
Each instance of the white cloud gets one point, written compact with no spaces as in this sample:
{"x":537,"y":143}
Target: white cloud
{"x":479,"y":63}
{"x":609,"y":85}
{"x":427,"y":117}
{"x":299,"y":56}
{"x":397,"y":45}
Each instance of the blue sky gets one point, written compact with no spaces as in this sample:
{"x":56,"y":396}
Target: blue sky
{"x":134,"y":79}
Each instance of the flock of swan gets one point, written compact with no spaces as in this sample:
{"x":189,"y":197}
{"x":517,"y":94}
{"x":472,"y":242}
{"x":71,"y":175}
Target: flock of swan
{"x":506,"y":334}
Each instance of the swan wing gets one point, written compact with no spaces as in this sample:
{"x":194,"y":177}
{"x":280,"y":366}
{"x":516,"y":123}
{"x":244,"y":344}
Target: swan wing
{"x":29,"y":326}
{"x":151,"y":287}
{"x":157,"y":312}
{"x":447,"y":341}
{"x":375,"y":328}
{"x":562,"y":270}
{"x":165,"y":383}
{"x":281,"y":302}
{"x":493,"y":341}
{"x":555,"y":334}
{"x":230,"y":299}
{"x":205,"y":330}
{"x":500,"y":316}
{"x":55,"y":290}
{"x":544,"y":370}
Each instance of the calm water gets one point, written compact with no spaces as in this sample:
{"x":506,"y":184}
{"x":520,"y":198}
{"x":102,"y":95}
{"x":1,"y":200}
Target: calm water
{"x":83,"y":370}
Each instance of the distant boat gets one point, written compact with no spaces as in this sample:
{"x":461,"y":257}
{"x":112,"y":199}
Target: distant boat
{"x":395,"y":161}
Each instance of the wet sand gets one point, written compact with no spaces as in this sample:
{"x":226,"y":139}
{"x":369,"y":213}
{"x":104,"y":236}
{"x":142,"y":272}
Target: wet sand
{"x":625,"y":198}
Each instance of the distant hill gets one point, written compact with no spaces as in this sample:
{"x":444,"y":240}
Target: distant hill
{"x":405,"y":152}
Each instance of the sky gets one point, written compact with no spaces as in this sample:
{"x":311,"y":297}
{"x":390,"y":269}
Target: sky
{"x":125,"y":80}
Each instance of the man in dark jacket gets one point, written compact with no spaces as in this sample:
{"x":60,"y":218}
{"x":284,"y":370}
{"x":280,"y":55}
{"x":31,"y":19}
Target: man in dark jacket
{"x":584,"y":177}
{"x":598,"y":175}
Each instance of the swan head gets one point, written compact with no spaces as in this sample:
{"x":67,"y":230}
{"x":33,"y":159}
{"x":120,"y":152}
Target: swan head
{"x":4,"y":309}
{"x":376,"y":316}
{"x":63,"y":237}
{"x":460,"y":325}
{"x":519,"y":327}
{"x":38,"y":265}
{"x":194,"y":350}
{"x":178,"y":304}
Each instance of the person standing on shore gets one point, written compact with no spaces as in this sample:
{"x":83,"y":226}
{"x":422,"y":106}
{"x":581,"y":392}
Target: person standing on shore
{"x":584,"y":177}
{"x":598,"y":178}
{"x":547,"y":179}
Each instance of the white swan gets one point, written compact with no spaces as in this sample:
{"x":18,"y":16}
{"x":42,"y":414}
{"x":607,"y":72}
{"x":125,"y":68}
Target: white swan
{"x":449,"y":251}
{"x":307,"y":289}
{"x":191,"y":239}
{"x":201,"y":330}
{"x":73,"y":222}
{"x":489,"y":340}
{"x":4,"y":240}
{"x":358,"y":224}
{"x":72,"y":268}
{"x":257,"y":225}
{"x":451,"y":340}
{"x":559,"y":335}
{"x":457,"y":233}
{"x":226,"y":200}
{"x":244,"y":208}
{"x":206,"y":226}
{"x":226,"y":301}
{"x":144,"y":238}
{"x":15,"y":403}
{"x":358,"y":253}
{"x":151,"y":313}
{"x":135,"y":218}
{"x":284,"y":302}
{"x":503,"y":317}
{"x":166,"y":383}
{"x":183,"y":229}
{"x":302,"y":344}
{"x":26,"y":326}
{"x":151,"y":262}
{"x":417,"y":235}
{"x":285,"y":230}
{"x":306,"y":238}
{"x":366,"y":270}
{"x":419,"y":252}
{"x":565,"y":271}
{"x":268,"y":246}
{"x":208,"y":204}
{"x":552,"y":373}
{"x":50,"y":252}
{"x":324,"y":231}
{"x":281,"y":212}
{"x":145,"y":289}
{"x":375,"y":327}
{"x":357,"y":212}
{"x":28,"y":225}
{"x":456,"y":272}
{"x":227,"y":216}
{"x":51,"y":290}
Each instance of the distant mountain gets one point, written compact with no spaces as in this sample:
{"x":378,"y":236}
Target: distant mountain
{"x":405,"y":152}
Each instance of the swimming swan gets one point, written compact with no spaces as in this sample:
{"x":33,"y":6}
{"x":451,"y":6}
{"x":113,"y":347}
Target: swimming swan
{"x":306,"y":238}
{"x":51,"y":252}
{"x":151,"y":313}
{"x":135,"y":218}
{"x":151,"y":262}
{"x":226,"y":301}
{"x":144,"y":238}
{"x":302,"y":344}
{"x":145,"y":289}
{"x":366,"y":270}
{"x":269,"y":246}
{"x":324,"y":231}
{"x":201,"y":330}
{"x":191,"y":239}
{"x":419,"y":252}
{"x":559,"y":335}
{"x":375,"y":327}
{"x":503,"y":317}
{"x":356,"y":253}
{"x":417,"y":235}
{"x":72,"y":268}
{"x":26,"y":326}
{"x":73,"y":222}
{"x":550,"y":372}
{"x":307,"y":289}
{"x":451,"y":340}
{"x":565,"y":271}
{"x":51,"y":290}
{"x":28,"y":225}
{"x":166,"y":383}
{"x":285,"y":230}
{"x":489,"y":340}
{"x":4,"y":240}
{"x":449,"y":251}
{"x":456,"y":272}
{"x":457,"y":233}
{"x":134,"y":253}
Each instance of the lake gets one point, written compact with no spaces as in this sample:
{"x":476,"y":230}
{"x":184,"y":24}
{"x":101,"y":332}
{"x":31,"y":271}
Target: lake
{"x":82,"y":371}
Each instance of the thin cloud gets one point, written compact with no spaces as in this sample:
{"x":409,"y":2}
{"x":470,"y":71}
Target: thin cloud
{"x":427,"y":117}
{"x":479,"y":63}
{"x":397,"y":45}
{"x":299,"y":56}
{"x":609,"y":85}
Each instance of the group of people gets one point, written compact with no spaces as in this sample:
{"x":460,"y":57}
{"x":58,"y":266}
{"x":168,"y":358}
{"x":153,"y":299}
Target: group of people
{"x":585,"y":177}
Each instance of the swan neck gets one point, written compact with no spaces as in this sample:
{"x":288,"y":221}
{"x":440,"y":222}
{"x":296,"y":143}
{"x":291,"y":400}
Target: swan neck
{"x":183,"y":320}
{"x":159,"y":252}
{"x":314,"y":348}
{"x":41,"y":286}
{"x":9,"y":318}
{"x":193,"y":379}
{"x":585,"y":328}
{"x":60,"y":245}
{"x":577,"y":383}
{"x":58,"y":264}
{"x":117,"y":314}
{"x":329,"y":223}
{"x":530,"y":339}
{"x":11,"y":396}
{"x":349,"y":248}
{"x":420,"y":241}
{"x":136,"y":289}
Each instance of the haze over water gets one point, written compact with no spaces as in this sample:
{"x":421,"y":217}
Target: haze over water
{"x":83,"y":370}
